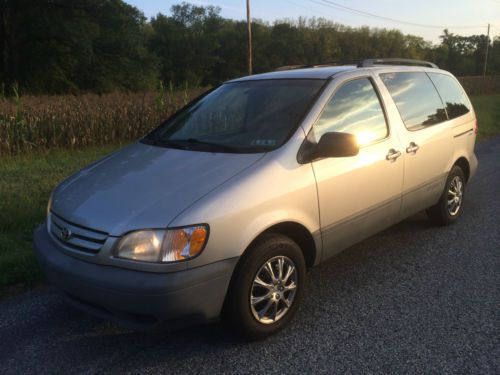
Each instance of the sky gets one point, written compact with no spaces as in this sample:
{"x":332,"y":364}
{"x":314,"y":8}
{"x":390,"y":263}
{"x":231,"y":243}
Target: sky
{"x":464,"y":17}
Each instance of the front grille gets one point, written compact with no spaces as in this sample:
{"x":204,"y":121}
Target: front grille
{"x":76,"y":236}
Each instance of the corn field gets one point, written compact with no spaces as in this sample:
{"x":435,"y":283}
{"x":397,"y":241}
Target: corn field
{"x":477,"y":85}
{"x":29,"y":123}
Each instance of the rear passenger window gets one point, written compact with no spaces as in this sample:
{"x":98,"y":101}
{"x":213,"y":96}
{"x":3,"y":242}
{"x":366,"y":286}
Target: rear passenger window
{"x":416,"y":98}
{"x":355,"y":108}
{"x":452,"y":93}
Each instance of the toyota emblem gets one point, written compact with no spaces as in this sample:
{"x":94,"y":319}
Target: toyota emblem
{"x":65,"y":234}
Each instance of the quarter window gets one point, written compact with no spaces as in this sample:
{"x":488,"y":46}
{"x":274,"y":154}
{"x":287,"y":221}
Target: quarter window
{"x":355,"y":108}
{"x":416,"y":98}
{"x":452,"y":93}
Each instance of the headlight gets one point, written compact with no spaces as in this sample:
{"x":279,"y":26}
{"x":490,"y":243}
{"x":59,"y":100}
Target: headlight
{"x":163,"y":245}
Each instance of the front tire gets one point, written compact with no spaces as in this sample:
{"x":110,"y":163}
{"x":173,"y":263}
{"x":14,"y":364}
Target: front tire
{"x":450,"y":205}
{"x":266,"y":288}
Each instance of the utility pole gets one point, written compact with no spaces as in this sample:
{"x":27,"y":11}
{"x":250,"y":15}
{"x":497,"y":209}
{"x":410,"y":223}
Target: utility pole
{"x":486,"y":55}
{"x":249,"y":26}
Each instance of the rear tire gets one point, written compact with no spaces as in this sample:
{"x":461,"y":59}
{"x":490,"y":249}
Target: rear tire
{"x":262,"y":299}
{"x":450,"y":206}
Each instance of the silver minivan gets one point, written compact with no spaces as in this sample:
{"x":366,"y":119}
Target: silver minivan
{"x":222,"y":209}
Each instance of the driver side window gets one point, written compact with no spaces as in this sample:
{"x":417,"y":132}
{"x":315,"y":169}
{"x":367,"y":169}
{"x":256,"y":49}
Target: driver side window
{"x":354,"y":108}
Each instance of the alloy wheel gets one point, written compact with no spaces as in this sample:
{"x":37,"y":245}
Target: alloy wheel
{"x":273,"y":289}
{"x":455,"y":195}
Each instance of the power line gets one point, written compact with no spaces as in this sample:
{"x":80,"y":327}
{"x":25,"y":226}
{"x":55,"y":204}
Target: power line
{"x":358,"y":12}
{"x":316,"y":11}
{"x":304,"y":7}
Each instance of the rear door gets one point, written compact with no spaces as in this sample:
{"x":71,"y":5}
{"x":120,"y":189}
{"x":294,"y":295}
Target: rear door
{"x":359,"y":195}
{"x":426,"y":137}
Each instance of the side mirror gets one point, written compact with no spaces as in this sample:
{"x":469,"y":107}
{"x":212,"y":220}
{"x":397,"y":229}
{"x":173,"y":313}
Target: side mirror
{"x":336,"y":145}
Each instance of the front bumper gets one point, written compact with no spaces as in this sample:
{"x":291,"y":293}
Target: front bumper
{"x":135,"y":297}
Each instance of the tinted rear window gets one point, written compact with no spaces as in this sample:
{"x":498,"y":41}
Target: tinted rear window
{"x":416,"y":99}
{"x":452,"y":93}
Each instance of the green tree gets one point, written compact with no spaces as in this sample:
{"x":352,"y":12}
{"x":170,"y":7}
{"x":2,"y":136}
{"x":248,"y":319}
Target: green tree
{"x":60,"y":46}
{"x":55,"y":46}
{"x":187,"y":43}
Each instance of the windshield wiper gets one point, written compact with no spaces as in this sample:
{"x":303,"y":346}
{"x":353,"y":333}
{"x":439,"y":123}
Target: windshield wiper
{"x":157,"y":141}
{"x":186,"y":143}
{"x":195,"y":141}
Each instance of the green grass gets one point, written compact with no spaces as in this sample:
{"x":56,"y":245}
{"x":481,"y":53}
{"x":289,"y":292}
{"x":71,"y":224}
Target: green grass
{"x":27,"y":180}
{"x":25,"y":185}
{"x":488,"y":115}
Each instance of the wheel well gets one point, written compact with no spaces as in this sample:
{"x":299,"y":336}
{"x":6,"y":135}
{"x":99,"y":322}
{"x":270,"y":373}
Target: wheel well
{"x":300,"y":235}
{"x":293,"y":230}
{"x":464,"y":165}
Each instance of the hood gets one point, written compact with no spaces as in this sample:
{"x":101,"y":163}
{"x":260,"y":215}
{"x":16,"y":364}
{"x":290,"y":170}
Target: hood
{"x":143,"y":186}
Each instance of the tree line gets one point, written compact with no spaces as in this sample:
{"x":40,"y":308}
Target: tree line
{"x":60,"y":46}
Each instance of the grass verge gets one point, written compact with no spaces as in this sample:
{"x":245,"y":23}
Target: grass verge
{"x":25,"y":185}
{"x":487,"y":109}
{"x":27,"y":180}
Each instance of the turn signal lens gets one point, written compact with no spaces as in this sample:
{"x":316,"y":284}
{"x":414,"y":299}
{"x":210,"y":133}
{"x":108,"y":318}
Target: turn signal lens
{"x":184,"y":243}
{"x":198,"y":238}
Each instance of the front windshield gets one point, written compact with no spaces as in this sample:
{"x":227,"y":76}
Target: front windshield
{"x":245,"y":116}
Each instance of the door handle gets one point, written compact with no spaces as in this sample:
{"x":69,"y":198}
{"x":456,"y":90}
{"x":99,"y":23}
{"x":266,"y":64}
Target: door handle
{"x":393,"y":155}
{"x":412,"y":148}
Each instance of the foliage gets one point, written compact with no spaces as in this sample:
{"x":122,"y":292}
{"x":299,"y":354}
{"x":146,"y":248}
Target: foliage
{"x":57,"y":46}
{"x":477,"y":85}
{"x":488,"y":115}
{"x":78,"y":46}
{"x":43,"y":122}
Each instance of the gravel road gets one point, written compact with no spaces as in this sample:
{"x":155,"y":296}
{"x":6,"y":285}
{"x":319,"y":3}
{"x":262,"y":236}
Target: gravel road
{"x":413,"y":299}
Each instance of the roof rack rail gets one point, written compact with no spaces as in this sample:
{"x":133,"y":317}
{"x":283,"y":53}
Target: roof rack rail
{"x":394,"y":61}
{"x":361,"y":63}
{"x":289,"y":67}
{"x":318,"y":65}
